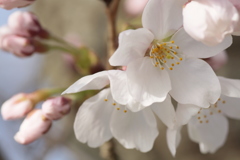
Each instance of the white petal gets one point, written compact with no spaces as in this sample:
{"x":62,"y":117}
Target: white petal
{"x":135,"y":106}
{"x":185,"y":112}
{"x":173,"y":139}
{"x":229,"y":106}
{"x":209,"y":21}
{"x":132,"y":44}
{"x":120,"y":92}
{"x":194,"y":82}
{"x":135,"y":129}
{"x":147,"y":84}
{"x":192,"y":48}
{"x":212,"y":135}
{"x":230,"y":87}
{"x":90,"y":82}
{"x":163,"y":17}
{"x":166,"y":112}
{"x":93,"y":119}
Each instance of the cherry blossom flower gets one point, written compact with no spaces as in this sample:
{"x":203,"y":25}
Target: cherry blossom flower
{"x":172,"y":65}
{"x":100,"y":118}
{"x":208,"y":126}
{"x":210,"y":21}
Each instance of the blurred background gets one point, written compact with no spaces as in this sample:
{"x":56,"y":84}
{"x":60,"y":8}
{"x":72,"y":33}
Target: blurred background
{"x":87,"y":21}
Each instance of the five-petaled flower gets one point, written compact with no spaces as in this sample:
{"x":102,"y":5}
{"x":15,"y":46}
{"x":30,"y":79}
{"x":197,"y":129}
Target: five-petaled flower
{"x":208,"y":126}
{"x":100,"y":117}
{"x":162,"y":58}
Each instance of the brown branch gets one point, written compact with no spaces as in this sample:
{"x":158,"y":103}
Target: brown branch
{"x":107,"y":151}
{"x":111,"y":11}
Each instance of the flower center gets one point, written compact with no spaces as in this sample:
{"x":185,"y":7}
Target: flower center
{"x":204,"y":114}
{"x":165,"y":55}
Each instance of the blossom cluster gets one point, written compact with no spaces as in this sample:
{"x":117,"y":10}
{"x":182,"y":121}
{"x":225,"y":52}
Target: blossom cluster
{"x":171,"y":58}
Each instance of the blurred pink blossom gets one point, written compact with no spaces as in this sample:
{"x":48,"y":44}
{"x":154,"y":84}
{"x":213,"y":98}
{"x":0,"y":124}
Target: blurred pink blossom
{"x":21,"y":46}
{"x":209,"y":21}
{"x":33,"y":127}
{"x":17,"y":107}
{"x":10,"y":4}
{"x":236,"y":4}
{"x":56,"y":108}
{"x":135,"y":7}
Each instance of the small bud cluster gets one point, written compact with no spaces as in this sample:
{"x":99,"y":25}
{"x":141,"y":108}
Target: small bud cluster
{"x":37,"y":121}
{"x":21,"y":35}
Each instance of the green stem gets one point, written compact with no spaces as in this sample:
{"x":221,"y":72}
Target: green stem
{"x":55,"y":91}
{"x":54,"y":47}
{"x":63,"y":42}
{"x":43,"y":94}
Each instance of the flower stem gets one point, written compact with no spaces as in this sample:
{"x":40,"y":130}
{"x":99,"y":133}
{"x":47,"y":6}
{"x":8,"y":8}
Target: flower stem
{"x":61,"y":48}
{"x":67,"y":45}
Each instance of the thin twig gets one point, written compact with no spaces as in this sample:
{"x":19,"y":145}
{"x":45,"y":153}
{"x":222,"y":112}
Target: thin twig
{"x":107,"y":151}
{"x":111,"y":12}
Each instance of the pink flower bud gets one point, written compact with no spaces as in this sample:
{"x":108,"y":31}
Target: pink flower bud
{"x":20,"y":46}
{"x":26,"y":24}
{"x":33,"y":127}
{"x":17,"y":107}
{"x":56,"y":108}
{"x":135,"y":7}
{"x":10,"y":4}
{"x":216,"y":62}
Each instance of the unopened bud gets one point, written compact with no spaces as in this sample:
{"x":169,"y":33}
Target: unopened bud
{"x":17,"y":107}
{"x":56,"y":108}
{"x":33,"y":127}
{"x":20,"y":46}
{"x":26,"y":24}
{"x":10,"y":4}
